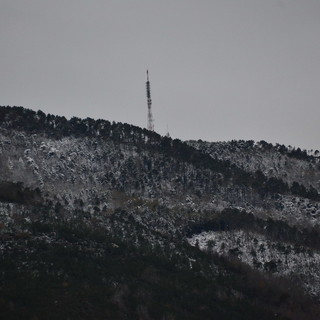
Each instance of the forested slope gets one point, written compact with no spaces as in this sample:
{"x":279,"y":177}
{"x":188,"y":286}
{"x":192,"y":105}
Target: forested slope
{"x":108,"y":220}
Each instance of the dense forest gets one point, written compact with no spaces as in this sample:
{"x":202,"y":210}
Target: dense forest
{"x":102,"y":220}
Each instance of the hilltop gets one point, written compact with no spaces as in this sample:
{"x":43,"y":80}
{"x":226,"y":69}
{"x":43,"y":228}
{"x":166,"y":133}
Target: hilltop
{"x":108,"y":220}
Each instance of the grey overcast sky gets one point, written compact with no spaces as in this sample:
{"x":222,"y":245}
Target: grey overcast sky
{"x":219,"y":69}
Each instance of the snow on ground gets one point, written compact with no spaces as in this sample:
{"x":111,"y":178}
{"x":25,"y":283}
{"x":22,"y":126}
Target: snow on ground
{"x":283,"y":259}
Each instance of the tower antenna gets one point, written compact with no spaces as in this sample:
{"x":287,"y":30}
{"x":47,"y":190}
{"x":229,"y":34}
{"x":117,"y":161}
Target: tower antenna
{"x":149,"y":101}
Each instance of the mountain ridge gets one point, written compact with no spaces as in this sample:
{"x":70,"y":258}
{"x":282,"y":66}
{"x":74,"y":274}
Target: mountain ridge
{"x":77,"y":190}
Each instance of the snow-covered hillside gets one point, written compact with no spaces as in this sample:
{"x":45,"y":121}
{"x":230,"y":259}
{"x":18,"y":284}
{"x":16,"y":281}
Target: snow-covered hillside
{"x":274,"y":161}
{"x":278,"y":257}
{"x":84,"y":190}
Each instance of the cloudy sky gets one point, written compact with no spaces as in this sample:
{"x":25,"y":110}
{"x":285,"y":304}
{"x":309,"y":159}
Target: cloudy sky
{"x":219,"y":69}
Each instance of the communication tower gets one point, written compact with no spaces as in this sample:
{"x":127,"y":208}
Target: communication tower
{"x":149,"y":101}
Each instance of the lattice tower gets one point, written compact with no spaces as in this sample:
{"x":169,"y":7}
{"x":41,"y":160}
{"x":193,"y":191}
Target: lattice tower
{"x":149,"y":102}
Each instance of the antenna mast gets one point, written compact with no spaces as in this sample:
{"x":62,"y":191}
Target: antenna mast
{"x":149,"y":101}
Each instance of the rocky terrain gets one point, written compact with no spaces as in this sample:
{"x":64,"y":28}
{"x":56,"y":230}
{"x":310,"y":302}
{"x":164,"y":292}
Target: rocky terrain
{"x":103,"y":220}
